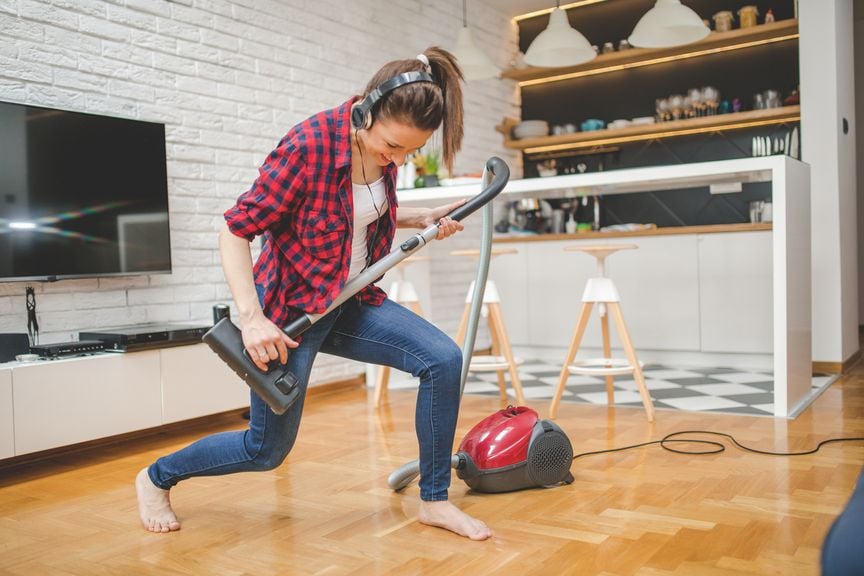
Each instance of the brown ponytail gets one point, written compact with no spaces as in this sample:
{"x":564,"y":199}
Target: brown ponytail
{"x":425,"y":105}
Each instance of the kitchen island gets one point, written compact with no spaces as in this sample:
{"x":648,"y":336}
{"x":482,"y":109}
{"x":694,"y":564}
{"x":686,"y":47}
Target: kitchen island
{"x":735,"y":294}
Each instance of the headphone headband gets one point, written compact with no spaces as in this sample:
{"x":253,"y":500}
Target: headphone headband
{"x":361,"y":112}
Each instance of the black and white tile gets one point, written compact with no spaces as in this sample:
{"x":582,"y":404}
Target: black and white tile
{"x":697,"y":389}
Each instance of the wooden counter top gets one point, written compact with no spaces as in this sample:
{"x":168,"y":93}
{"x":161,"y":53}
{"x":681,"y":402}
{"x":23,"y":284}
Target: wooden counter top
{"x":667,"y":231}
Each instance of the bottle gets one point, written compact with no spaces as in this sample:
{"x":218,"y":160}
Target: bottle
{"x":570,"y":226}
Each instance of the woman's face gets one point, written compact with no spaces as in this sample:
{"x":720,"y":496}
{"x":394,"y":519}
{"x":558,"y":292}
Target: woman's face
{"x":391,"y":141}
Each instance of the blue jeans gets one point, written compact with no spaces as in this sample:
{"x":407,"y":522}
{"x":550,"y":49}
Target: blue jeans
{"x":843,"y":549}
{"x":390,"y":335}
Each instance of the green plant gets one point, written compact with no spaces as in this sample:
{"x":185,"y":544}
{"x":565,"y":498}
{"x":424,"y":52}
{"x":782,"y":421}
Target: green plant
{"x":427,"y":164}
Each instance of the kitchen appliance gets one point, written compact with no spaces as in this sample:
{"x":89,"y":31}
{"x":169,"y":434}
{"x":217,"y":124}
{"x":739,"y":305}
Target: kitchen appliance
{"x":530,"y":214}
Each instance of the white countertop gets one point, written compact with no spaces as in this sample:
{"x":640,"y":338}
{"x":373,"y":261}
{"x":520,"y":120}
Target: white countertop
{"x":759,"y":169}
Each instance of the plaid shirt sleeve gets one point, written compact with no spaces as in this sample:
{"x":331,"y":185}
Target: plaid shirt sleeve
{"x":277,"y":191}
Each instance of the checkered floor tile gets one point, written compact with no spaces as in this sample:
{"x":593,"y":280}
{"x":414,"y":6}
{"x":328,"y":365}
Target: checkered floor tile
{"x":701,"y":389}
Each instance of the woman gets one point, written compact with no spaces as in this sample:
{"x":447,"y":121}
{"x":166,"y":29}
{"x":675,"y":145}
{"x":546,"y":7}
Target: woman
{"x":325,"y":202}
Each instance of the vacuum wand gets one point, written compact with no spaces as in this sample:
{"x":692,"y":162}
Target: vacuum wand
{"x":277,"y":386}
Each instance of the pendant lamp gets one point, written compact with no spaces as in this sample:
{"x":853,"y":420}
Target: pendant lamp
{"x":559,"y":44}
{"x":474,"y":63}
{"x":669,"y":23}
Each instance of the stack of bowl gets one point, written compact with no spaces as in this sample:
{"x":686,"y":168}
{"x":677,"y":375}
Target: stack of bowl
{"x":531,"y":129}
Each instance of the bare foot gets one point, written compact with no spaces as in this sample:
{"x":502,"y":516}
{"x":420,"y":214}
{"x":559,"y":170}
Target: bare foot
{"x":445,"y":515}
{"x":154,"y":505}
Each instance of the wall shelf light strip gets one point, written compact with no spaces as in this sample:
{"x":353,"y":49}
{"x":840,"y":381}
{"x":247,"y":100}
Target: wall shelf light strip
{"x":658,"y":135}
{"x":655,"y":61}
{"x":549,"y":10}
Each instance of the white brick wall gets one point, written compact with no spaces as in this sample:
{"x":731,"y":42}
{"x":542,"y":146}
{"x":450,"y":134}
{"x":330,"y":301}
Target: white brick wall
{"x":227,"y":78}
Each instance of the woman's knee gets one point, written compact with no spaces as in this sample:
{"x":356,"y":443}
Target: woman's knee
{"x":442,"y":358}
{"x":269,"y":459}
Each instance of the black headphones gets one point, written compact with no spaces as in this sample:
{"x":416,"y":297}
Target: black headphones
{"x":361,"y":112}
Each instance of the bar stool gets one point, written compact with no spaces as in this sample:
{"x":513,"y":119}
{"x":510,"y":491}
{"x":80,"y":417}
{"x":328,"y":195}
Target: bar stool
{"x":403,"y":292}
{"x":602,"y":291}
{"x":502,"y":358}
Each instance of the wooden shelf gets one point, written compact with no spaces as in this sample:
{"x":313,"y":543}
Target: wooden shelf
{"x":714,"y":43}
{"x":607,"y":137}
{"x":665,"y":231}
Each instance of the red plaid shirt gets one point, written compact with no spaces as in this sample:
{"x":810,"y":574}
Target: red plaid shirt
{"x":303,"y":204}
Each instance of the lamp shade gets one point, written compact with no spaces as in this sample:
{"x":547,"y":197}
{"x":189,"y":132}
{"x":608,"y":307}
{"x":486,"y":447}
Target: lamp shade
{"x":559,"y":44}
{"x":668,"y":23}
{"x":474,"y":63}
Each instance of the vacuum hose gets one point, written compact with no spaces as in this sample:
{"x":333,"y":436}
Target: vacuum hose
{"x":405,"y":474}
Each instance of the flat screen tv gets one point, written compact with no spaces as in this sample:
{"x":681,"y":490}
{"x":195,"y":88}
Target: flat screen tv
{"x":81,"y":195}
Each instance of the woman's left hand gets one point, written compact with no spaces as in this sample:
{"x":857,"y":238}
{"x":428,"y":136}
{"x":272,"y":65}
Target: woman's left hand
{"x":446,"y":225}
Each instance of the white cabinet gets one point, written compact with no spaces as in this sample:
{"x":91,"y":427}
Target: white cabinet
{"x":736,"y":292}
{"x":75,"y":400}
{"x":510,"y":274}
{"x":557,"y":279}
{"x":7,"y":431}
{"x":688,"y":293}
{"x":658,"y":284}
{"x":659,"y":288}
{"x":55,"y":403}
{"x":195,"y":382}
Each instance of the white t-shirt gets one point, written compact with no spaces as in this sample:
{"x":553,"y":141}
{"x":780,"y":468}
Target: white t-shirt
{"x":364,"y":214}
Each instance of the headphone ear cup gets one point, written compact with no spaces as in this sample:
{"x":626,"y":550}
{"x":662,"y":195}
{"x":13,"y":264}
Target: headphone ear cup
{"x":361,"y":119}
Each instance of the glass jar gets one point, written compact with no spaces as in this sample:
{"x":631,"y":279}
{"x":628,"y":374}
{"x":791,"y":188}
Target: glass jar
{"x":748,"y":16}
{"x":723,"y":21}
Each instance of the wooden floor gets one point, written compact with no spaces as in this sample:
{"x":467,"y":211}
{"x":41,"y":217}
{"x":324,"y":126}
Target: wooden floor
{"x":328,"y":510}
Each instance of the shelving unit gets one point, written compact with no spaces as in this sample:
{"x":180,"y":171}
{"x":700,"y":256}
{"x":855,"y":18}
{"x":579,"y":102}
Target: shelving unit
{"x":716,"y":42}
{"x":606,"y":140}
{"x":607,"y":137}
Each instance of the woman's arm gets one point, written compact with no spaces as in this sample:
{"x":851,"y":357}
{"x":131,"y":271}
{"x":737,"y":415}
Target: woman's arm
{"x":424,"y":217}
{"x":263,"y":340}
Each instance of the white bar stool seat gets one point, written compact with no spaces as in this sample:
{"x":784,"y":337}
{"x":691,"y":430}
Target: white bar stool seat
{"x":600,"y":290}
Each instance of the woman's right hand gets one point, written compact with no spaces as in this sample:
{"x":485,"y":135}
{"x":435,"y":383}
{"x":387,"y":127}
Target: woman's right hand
{"x":264,"y":341}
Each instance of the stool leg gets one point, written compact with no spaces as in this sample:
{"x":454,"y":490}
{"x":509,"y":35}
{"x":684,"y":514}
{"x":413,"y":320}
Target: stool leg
{"x":631,"y":357}
{"x":463,"y":326}
{"x":497,"y":321}
{"x":581,"y":324}
{"x":416,"y":308}
{"x":496,"y":351}
{"x":607,"y":353}
{"x":381,"y":385}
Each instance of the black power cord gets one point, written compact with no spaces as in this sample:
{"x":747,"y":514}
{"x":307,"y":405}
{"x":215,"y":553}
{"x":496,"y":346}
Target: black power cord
{"x":715,"y":447}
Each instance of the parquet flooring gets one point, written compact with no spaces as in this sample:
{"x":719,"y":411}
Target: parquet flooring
{"x":328,"y":510}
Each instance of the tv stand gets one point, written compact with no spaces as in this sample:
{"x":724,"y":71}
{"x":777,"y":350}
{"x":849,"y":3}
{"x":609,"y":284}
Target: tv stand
{"x":52,"y":403}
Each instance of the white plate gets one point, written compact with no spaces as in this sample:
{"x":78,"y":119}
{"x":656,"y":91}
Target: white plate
{"x":643,"y":120}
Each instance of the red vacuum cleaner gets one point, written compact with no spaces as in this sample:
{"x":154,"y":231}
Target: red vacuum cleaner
{"x":513,"y":449}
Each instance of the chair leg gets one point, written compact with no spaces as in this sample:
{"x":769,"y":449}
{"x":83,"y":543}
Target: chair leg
{"x":631,"y":357}
{"x":607,"y":353}
{"x":581,"y":324}
{"x":497,"y":320}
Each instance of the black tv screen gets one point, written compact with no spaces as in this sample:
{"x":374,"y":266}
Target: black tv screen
{"x":81,"y":195}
